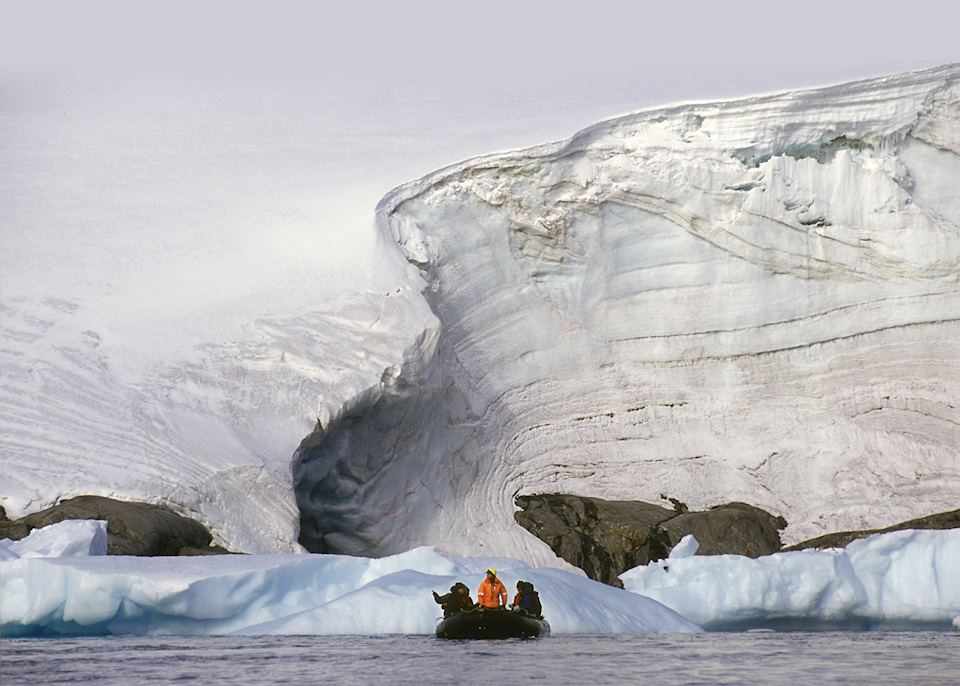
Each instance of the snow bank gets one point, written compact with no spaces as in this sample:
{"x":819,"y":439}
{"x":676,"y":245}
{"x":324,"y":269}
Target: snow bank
{"x":896,"y":579}
{"x":289,"y":594}
{"x":70,"y":538}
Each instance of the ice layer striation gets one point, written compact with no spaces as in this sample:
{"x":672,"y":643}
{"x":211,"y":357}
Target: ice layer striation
{"x":752,"y":300}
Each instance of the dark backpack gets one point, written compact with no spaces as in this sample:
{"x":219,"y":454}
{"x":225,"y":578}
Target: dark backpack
{"x":530,"y":599}
{"x":534,"y":603}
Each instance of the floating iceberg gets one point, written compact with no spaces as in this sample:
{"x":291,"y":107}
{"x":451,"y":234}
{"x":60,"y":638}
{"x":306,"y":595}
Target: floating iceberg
{"x":899,"y":579}
{"x":282,"y":594}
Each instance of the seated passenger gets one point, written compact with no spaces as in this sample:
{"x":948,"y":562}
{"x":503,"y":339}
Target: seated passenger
{"x":515,"y":605}
{"x":527,"y":599}
{"x":457,"y":600}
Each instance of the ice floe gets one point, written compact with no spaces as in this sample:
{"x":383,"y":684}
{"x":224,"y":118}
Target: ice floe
{"x":899,"y":579}
{"x":283,"y":594}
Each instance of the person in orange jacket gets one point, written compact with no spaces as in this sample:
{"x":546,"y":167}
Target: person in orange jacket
{"x":491,"y":593}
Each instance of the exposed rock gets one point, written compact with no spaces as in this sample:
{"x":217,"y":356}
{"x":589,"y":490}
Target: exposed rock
{"x":133,"y":528}
{"x":736,"y":528}
{"x":941,"y":520}
{"x":11,"y":528}
{"x":678,"y":506}
{"x":605,"y":538}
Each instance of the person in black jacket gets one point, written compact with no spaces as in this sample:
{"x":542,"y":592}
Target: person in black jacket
{"x":457,"y":600}
{"x":527,"y":599}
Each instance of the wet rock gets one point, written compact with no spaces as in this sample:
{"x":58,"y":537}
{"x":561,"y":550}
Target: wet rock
{"x":941,"y":520}
{"x":605,"y":538}
{"x":133,"y":528}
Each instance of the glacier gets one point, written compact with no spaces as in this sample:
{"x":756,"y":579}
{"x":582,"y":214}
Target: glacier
{"x":58,"y":581}
{"x":749,"y":300}
{"x":894,"y":580}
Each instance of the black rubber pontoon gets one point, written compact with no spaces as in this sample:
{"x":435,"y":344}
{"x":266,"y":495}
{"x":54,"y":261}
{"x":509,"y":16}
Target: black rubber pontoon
{"x":492,"y":623}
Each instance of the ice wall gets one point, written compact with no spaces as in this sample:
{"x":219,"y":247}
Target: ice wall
{"x":752,"y":300}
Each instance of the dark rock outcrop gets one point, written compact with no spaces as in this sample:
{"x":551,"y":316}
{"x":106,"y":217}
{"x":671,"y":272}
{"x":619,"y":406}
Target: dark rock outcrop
{"x":133,"y":528}
{"x":941,"y":520}
{"x":12,"y":528}
{"x":734,"y":528}
{"x":605,"y":538}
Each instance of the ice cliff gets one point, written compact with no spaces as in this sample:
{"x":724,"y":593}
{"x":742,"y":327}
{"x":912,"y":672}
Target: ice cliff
{"x":752,"y":300}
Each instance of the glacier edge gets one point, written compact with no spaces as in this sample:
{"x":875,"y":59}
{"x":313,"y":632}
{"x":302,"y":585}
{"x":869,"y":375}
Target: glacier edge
{"x":742,"y":300}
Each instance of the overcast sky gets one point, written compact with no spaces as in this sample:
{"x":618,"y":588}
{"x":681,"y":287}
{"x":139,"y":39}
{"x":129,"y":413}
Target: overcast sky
{"x":490,"y":67}
{"x":261,"y":135}
{"x":703,"y":47}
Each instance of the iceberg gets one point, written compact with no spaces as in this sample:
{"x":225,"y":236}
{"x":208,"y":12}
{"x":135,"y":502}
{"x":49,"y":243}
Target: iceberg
{"x":900,"y":579}
{"x":72,"y":593}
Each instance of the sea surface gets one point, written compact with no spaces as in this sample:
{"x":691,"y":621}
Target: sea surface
{"x":714,"y":658}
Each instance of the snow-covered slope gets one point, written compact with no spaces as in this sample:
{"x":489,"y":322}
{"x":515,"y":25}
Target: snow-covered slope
{"x":211,"y":431}
{"x":753,"y":300}
{"x":190,"y":278}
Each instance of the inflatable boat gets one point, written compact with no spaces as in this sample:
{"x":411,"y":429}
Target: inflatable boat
{"x":492,"y":623}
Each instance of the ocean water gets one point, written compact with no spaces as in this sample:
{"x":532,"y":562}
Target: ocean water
{"x":715,"y":658}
